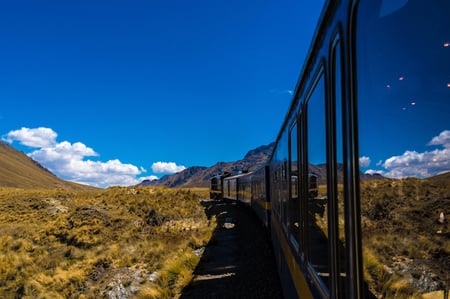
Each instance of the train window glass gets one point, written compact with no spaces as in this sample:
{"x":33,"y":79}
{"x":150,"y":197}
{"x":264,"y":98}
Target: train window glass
{"x":294,"y":203}
{"x":317,"y":176}
{"x":233,"y":189}
{"x":278,"y":190}
{"x":272,"y":182}
{"x":284,"y":193}
{"x":403,"y":58}
{"x":339,"y":189}
{"x":282,"y":186}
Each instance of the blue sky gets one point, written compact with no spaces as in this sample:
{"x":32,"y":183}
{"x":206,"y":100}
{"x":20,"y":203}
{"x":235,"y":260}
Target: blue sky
{"x":112,"y":92}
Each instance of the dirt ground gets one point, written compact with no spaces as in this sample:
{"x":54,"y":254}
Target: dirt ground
{"x":238,"y":262}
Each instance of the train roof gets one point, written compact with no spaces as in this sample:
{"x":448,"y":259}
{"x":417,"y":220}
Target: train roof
{"x":239,"y":175}
{"x":222,"y":175}
{"x":316,"y":40}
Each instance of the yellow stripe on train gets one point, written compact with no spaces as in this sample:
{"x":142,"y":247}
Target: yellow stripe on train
{"x":263,"y":204}
{"x":301,"y":286}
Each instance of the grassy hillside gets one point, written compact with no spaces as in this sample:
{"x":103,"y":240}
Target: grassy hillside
{"x":19,"y":171}
{"x":135,"y":242}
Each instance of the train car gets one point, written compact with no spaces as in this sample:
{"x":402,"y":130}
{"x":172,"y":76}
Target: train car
{"x":238,"y":188}
{"x":358,"y":181}
{"x":230,"y":188}
{"x":216,"y":187}
{"x":372,"y":98}
{"x":245,"y":188}
{"x":260,"y":198}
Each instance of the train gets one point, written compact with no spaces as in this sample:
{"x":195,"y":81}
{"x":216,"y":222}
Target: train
{"x":368,"y":118}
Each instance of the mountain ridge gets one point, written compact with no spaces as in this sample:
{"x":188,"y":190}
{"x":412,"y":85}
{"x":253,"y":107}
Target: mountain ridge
{"x":199,"y":176}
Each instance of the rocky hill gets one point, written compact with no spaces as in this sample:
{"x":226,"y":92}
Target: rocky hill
{"x":17,"y":170}
{"x":198,"y":176}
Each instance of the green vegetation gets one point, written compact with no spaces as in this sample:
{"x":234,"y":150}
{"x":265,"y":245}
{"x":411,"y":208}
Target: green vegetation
{"x":406,"y":247}
{"x":139,"y":242}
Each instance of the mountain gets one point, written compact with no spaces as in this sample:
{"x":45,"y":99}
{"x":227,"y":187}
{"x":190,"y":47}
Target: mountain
{"x":199,"y":176}
{"x":20,"y":171}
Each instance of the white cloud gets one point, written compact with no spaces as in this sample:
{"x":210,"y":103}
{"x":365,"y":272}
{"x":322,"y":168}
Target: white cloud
{"x":61,"y":152}
{"x":38,"y":137}
{"x":167,"y":167}
{"x":281,"y":91}
{"x":364,"y":161}
{"x":420,"y":164}
{"x":373,"y":171}
{"x":67,"y":160}
{"x":412,"y":163}
{"x":442,"y":139}
{"x":150,"y":178}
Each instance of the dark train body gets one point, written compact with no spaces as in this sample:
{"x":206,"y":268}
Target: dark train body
{"x":356,"y":102}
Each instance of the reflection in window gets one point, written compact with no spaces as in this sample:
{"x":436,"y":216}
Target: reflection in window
{"x":339,"y":189}
{"x":404,"y":142}
{"x":318,"y":200}
{"x":285,"y":192}
{"x":280,"y":191}
{"x":294,"y":203}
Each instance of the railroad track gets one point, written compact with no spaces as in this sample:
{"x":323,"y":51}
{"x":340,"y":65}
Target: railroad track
{"x":238,"y":261}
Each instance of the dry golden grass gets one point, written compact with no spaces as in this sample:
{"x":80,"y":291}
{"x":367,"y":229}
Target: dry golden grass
{"x":88,"y":244}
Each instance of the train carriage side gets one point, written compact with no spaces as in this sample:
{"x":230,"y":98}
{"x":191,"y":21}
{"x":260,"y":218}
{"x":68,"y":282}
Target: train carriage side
{"x":245,"y":188}
{"x":260,"y":201}
{"x":237,"y":188}
{"x":216,"y":187}
{"x":369,"y":118}
{"x":312,"y":260}
{"x":230,"y":188}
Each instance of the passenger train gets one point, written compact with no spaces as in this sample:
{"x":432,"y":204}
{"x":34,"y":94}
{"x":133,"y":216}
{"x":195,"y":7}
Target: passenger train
{"x":366,"y":132}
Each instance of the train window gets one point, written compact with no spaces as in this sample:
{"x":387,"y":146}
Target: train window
{"x":339,"y":166}
{"x":403,"y":59}
{"x":294,"y":203}
{"x":317,"y":175}
{"x":282,"y":186}
{"x":284,"y":193}
{"x":279,"y":188}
